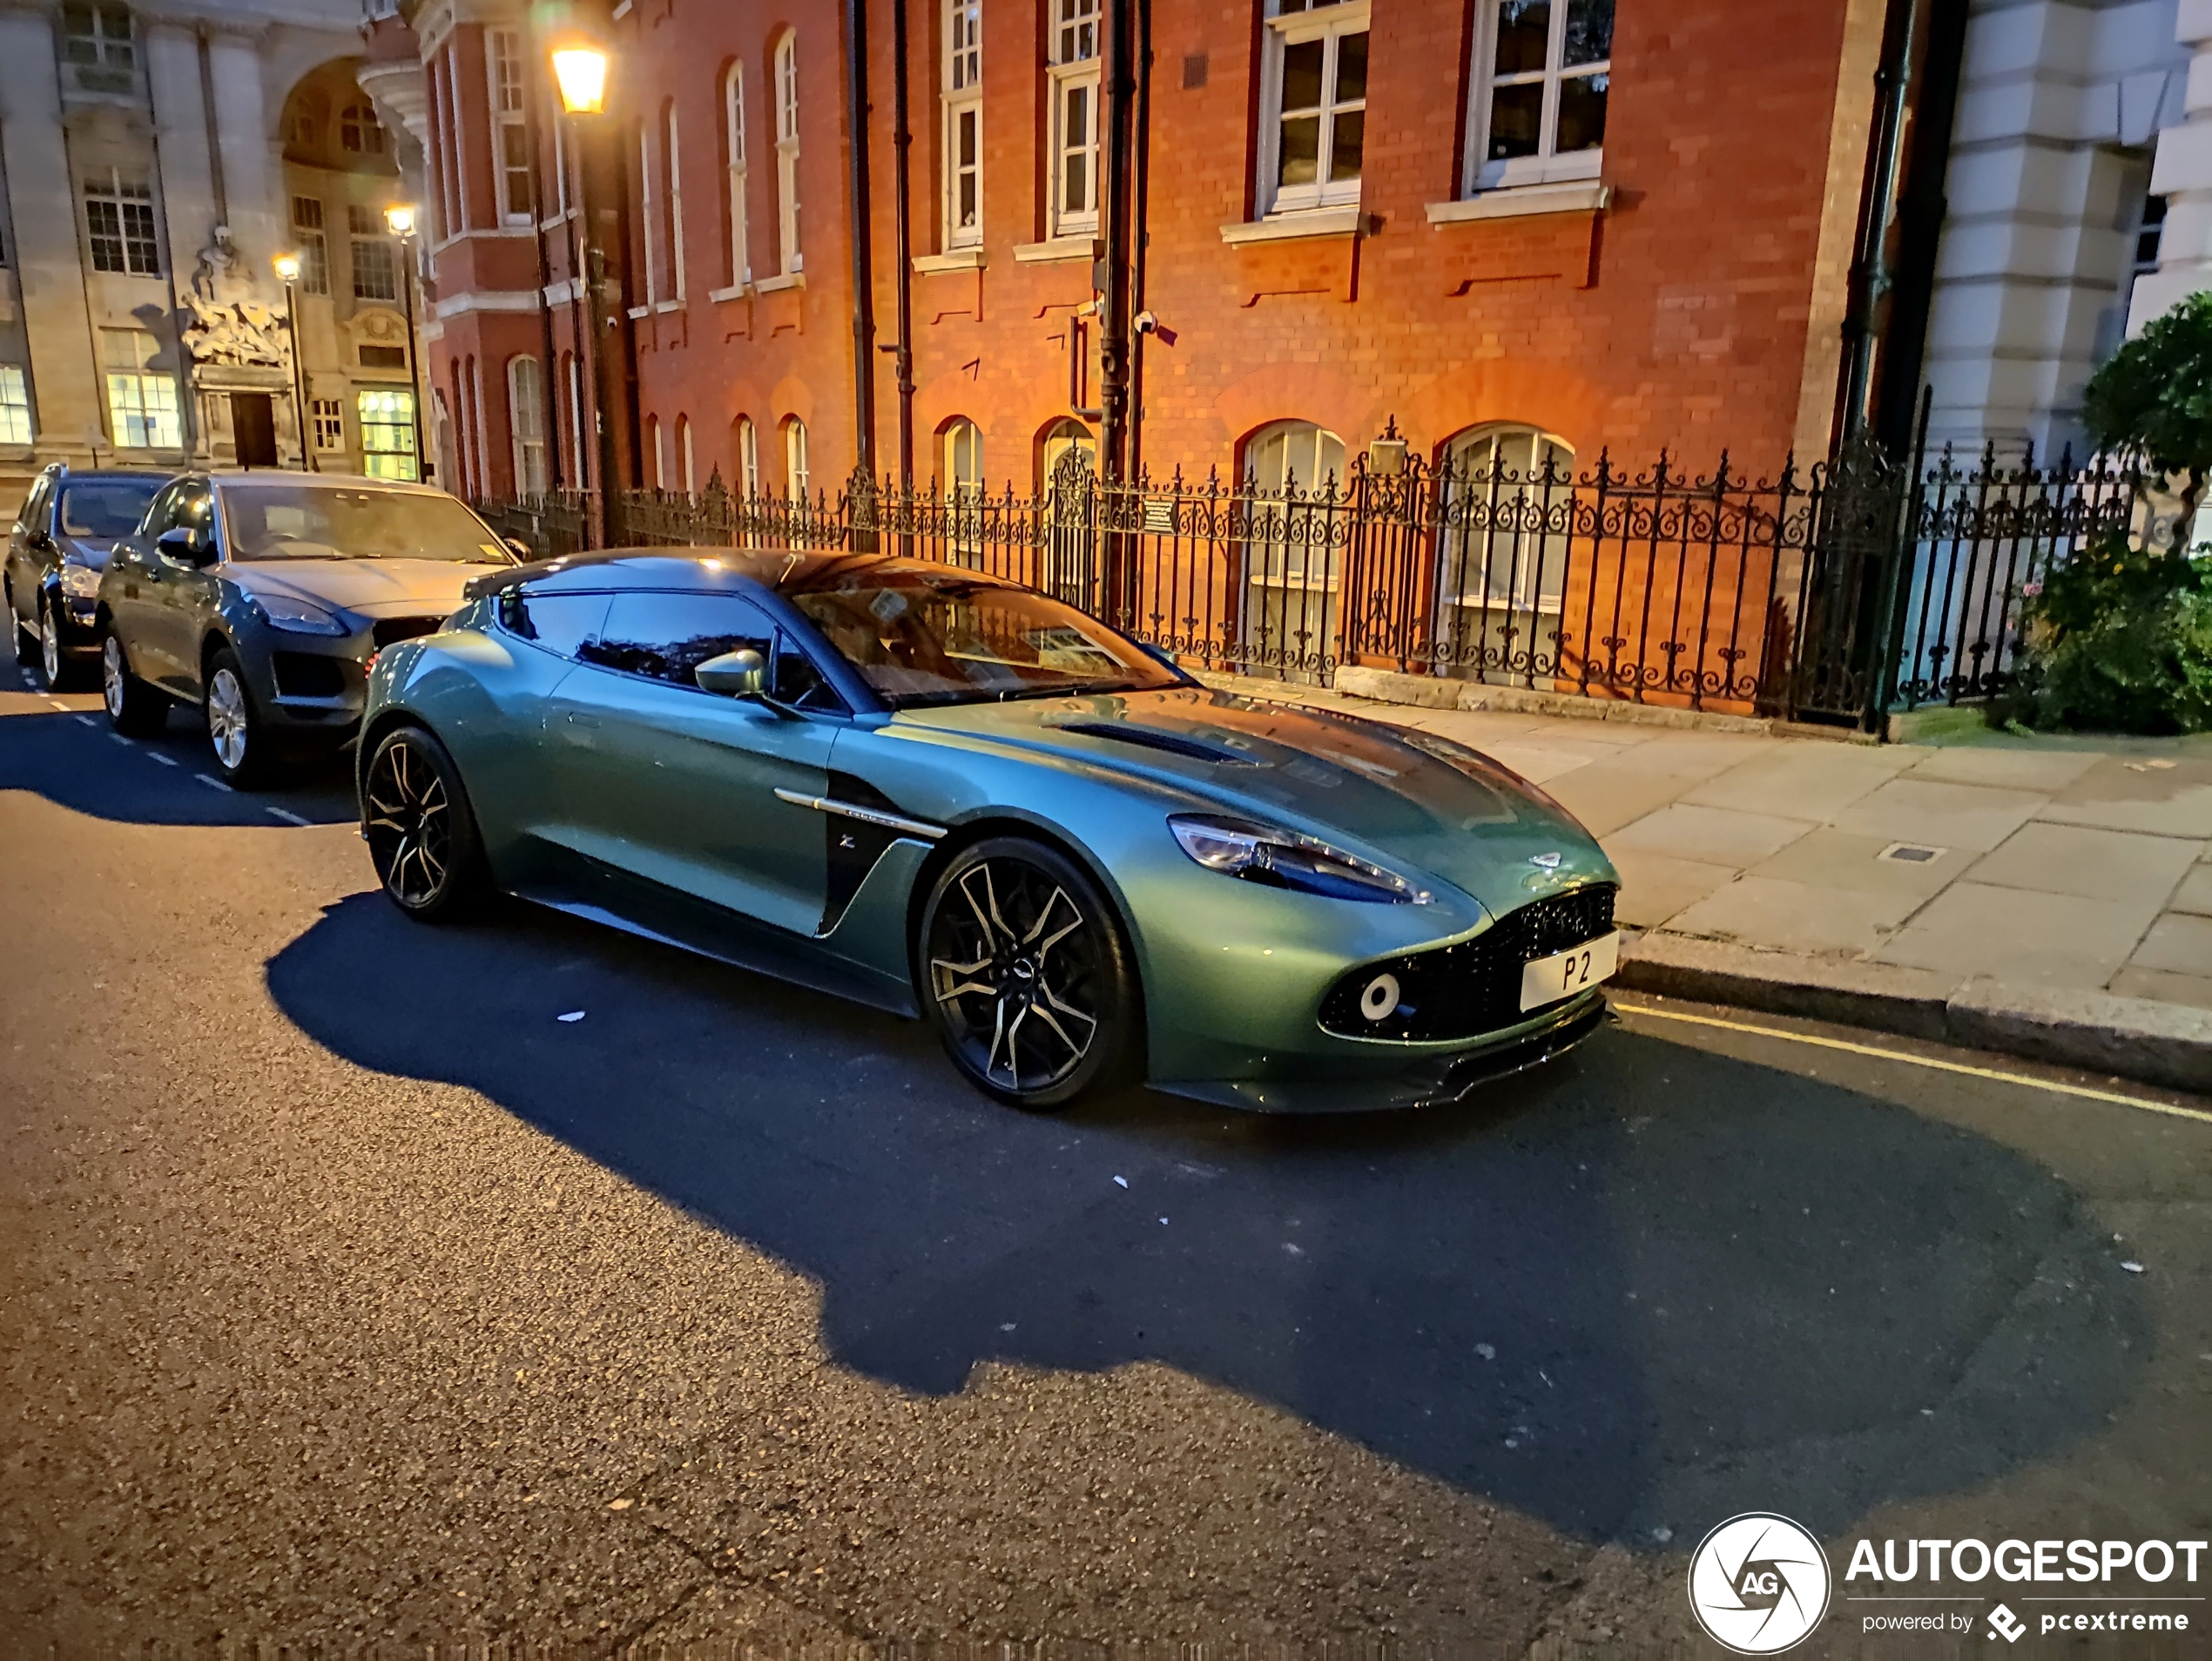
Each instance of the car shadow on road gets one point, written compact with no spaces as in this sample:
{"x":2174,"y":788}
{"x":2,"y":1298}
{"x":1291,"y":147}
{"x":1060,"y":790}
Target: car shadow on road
{"x":1631,"y":1294}
{"x":75,"y":761}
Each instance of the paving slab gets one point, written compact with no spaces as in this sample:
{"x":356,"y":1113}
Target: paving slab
{"x":1713,"y":835}
{"x":1689,"y":755}
{"x":1605,"y":799}
{"x":2178,"y":943}
{"x":1972,"y":817}
{"x":2009,"y":769}
{"x":1654,"y":886}
{"x":1800,"y":779}
{"x":2085,"y":860}
{"x":1797,"y":916}
{"x":2125,"y":793}
{"x":2056,"y":940}
{"x":2195,"y":894}
{"x":1839,"y":859}
{"x":2164,"y":986}
{"x":1538,"y":763}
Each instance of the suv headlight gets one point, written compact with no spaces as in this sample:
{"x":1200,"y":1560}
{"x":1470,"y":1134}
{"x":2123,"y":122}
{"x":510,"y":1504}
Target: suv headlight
{"x":80,"y":582}
{"x":1283,"y":859}
{"x":295,"y":615}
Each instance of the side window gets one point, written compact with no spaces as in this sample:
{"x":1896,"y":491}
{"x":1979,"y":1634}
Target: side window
{"x":195,"y":511}
{"x":34,"y":507}
{"x":560,"y":623}
{"x":161,"y":512}
{"x":667,"y":636}
{"x":797,"y":682}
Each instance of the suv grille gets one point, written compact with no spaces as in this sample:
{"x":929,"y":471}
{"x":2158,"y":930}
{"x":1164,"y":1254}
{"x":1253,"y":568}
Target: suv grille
{"x":1465,"y":991}
{"x":387,"y":631}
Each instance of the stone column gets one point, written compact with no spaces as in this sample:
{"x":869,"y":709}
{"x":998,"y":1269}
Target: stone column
{"x":252,"y":170}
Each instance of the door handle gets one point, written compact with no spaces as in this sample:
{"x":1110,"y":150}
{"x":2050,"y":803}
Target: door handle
{"x":576,"y":720}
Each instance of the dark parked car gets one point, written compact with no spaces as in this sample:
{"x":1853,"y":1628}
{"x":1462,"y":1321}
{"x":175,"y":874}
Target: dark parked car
{"x":70,"y":522}
{"x":263,"y":595}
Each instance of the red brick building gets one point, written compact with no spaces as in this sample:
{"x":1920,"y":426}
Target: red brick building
{"x":1479,"y":217}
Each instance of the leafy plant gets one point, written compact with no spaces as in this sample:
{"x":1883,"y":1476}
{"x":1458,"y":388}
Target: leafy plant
{"x":2151,"y":403}
{"x":2118,"y":638}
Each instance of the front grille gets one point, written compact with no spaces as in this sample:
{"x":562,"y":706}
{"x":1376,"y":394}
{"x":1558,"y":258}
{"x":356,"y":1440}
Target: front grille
{"x":389,"y":631}
{"x":1465,"y":991}
{"x":305,"y":674}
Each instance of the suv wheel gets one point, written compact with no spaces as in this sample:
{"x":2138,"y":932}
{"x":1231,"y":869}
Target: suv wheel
{"x":133,"y":708}
{"x":235,"y":729}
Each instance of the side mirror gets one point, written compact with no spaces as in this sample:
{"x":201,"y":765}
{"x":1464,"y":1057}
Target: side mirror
{"x":1160,"y":654}
{"x":520,"y":549}
{"x":742,"y":673}
{"x":182,"y":544}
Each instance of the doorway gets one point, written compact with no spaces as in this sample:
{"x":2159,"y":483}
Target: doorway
{"x":253,"y":428}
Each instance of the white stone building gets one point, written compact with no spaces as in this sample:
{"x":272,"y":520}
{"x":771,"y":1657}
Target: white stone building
{"x":154,"y":159}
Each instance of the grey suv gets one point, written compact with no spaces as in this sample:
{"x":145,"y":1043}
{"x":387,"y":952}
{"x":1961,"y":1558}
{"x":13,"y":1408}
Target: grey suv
{"x":263,"y":595}
{"x":70,"y":522}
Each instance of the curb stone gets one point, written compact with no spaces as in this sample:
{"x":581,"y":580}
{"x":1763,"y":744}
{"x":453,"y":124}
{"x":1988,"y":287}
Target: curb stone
{"x":2151,"y":1043}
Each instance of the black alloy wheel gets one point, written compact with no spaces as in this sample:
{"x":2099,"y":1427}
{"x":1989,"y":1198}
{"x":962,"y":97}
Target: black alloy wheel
{"x":421,"y":834}
{"x":1026,"y":972}
{"x":133,"y":708}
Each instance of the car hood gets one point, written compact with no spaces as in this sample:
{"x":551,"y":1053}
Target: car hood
{"x":370,"y":588}
{"x":1409,"y":797}
{"x":80,"y":550}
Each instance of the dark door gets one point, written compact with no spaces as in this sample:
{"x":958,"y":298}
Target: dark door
{"x":254,"y":427}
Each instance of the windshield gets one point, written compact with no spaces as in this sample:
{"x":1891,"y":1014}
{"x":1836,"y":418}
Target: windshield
{"x":940,"y":636}
{"x":342,"y":522}
{"x":102,"y":509}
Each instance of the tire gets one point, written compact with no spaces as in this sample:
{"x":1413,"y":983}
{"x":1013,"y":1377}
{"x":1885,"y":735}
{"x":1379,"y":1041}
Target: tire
{"x":60,"y":672}
{"x":133,"y":708}
{"x":236,"y":732}
{"x":1026,"y":970}
{"x":421,"y":831}
{"x":20,"y":638}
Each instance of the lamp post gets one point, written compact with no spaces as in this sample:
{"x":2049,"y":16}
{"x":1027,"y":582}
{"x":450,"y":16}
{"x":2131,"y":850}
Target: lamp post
{"x":399,"y":219}
{"x":580,"y":75}
{"x":288,"y":271}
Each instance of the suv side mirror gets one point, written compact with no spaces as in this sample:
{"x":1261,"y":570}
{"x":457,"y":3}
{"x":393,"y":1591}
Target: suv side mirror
{"x":182,"y":544}
{"x":742,"y":673}
{"x":521,"y":550}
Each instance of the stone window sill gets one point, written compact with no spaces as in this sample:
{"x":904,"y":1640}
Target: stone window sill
{"x":958,"y":259}
{"x":1513,"y":201}
{"x":1060,"y":248}
{"x":782,"y":281}
{"x":735,"y":291}
{"x":1306,"y":222}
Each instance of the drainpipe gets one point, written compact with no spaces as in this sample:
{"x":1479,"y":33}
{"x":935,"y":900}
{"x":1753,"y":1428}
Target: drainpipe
{"x":856,"y":87}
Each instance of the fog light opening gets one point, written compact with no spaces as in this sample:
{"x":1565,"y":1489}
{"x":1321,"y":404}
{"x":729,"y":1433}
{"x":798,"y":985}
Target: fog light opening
{"x":1379,"y":997}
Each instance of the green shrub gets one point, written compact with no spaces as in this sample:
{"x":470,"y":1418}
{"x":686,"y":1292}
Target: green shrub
{"x":2118,"y":639}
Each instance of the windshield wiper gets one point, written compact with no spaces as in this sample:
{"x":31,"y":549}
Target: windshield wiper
{"x":1072,"y":689}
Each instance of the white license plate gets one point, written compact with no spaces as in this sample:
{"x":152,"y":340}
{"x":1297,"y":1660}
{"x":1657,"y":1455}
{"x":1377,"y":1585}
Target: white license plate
{"x":1563,"y":973}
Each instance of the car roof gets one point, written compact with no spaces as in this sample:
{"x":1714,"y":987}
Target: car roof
{"x":286,"y":476}
{"x":150,"y":475}
{"x":781,"y":571}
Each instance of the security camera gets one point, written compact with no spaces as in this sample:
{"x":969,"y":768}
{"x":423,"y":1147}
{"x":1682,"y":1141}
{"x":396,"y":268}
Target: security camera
{"x":1146,"y":322}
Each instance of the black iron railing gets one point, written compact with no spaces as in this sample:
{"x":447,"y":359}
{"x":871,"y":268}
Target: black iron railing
{"x":1828,"y":593}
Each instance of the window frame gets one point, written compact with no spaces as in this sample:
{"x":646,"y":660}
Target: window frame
{"x":734,"y":170}
{"x":15,"y":407}
{"x":110,"y":52}
{"x":1067,"y":68}
{"x":799,"y":476}
{"x":1478,"y":174}
{"x":507,"y":112}
{"x":152,"y":399}
{"x":386,"y":254}
{"x":1534,"y":582}
{"x":961,"y":100}
{"x":401,"y":420}
{"x":526,"y":424}
{"x":672,"y":199}
{"x":114,"y":192}
{"x":791,"y":257}
{"x":1328,"y":23}
{"x":310,"y":234}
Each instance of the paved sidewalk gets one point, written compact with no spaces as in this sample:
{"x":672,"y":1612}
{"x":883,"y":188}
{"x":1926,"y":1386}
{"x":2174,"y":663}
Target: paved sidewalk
{"x":2050,"y":866}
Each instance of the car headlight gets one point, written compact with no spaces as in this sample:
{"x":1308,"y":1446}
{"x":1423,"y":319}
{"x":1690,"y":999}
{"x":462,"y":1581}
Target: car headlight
{"x":1281,"y":859}
{"x":295,"y":615}
{"x":80,"y":582}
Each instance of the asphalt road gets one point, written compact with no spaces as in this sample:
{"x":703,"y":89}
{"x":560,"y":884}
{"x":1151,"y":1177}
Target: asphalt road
{"x":349,"y":1295}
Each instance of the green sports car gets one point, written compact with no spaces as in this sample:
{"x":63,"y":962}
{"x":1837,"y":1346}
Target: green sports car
{"x":958,"y":798}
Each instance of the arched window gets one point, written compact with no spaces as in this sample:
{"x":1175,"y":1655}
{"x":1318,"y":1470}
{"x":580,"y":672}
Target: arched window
{"x":962,"y":98}
{"x":733,"y":155}
{"x":961,"y":471}
{"x":674,"y":212}
{"x":744,"y":456}
{"x":1507,"y":492}
{"x":359,"y":131}
{"x":648,"y":212}
{"x":1295,"y":473}
{"x":796,"y":475}
{"x":657,"y":452}
{"x":526,"y":423}
{"x":1065,"y":434}
{"x":479,"y":474}
{"x":684,"y":459}
{"x":787,"y":152}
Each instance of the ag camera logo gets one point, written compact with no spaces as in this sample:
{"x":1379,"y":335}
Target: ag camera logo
{"x":1758,"y":1584}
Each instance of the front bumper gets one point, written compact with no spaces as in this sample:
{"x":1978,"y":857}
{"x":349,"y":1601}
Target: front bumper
{"x":76,"y":626}
{"x":1435,"y":1080}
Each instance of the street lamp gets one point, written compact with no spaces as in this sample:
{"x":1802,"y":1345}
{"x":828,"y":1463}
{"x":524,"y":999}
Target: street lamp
{"x":399,"y":219}
{"x":580,"y":75}
{"x":288,"y":271}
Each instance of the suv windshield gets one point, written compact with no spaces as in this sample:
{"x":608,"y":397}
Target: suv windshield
{"x":346,"y":522}
{"x":102,"y":509}
{"x":938,"y":636}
